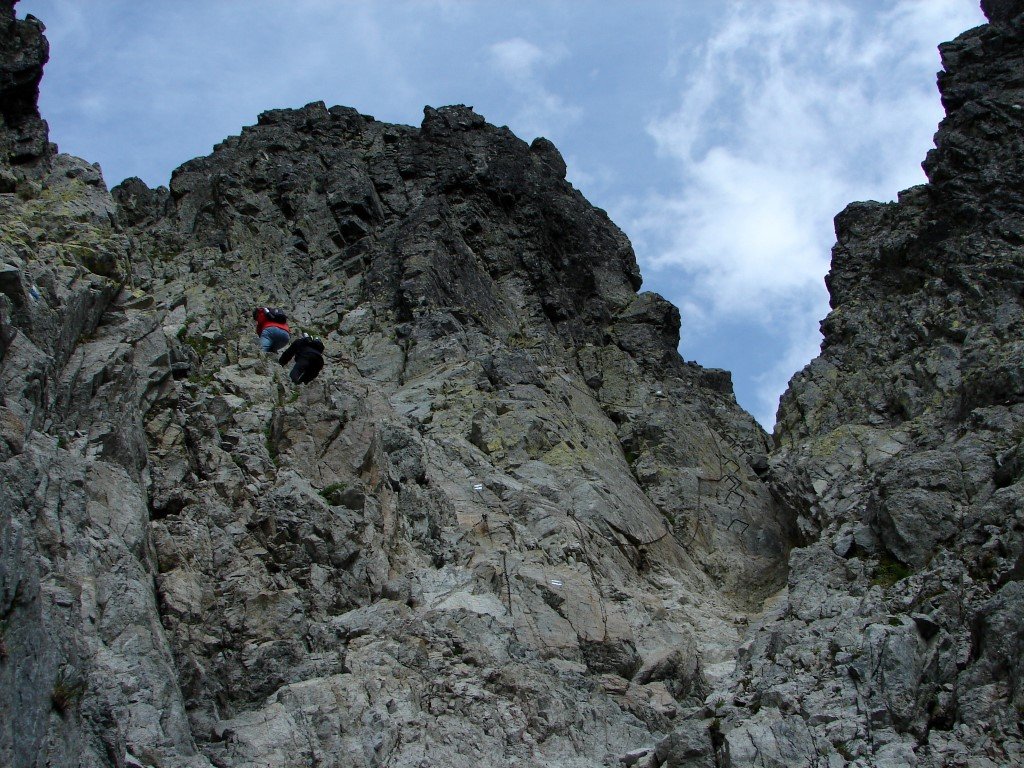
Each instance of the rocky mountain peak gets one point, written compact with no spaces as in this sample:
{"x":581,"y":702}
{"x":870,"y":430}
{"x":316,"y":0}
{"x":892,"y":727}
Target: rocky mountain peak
{"x":506,"y":500}
{"x":507,"y":524}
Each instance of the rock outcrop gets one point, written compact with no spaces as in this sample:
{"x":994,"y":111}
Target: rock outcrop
{"x":508,"y":525}
{"x":85,"y":669}
{"x":23,"y":52}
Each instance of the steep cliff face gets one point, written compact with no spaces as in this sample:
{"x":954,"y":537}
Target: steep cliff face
{"x":899,"y":640}
{"x":74,"y":558}
{"x":507,"y":525}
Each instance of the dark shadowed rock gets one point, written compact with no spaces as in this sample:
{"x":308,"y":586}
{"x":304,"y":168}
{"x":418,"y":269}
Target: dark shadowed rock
{"x":1002,"y":11}
{"x":23,"y":52}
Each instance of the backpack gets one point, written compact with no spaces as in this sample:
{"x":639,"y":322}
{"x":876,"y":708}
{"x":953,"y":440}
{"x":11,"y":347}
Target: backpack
{"x":275,"y":315}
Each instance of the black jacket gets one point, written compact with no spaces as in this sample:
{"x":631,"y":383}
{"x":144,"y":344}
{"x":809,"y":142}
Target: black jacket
{"x":307,"y":352}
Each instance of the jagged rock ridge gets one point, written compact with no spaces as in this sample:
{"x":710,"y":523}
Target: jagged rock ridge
{"x":23,"y":52}
{"x":494,"y":431}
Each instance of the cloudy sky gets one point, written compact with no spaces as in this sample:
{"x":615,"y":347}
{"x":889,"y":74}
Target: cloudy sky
{"x":722,"y":136}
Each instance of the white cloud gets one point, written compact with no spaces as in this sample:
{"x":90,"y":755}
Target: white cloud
{"x":800,"y":345}
{"x":539,"y":112}
{"x":516,"y":58}
{"x":792,"y":111}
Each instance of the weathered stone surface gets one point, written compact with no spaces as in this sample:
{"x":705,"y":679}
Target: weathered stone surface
{"x":494,"y":444}
{"x":466,"y":542}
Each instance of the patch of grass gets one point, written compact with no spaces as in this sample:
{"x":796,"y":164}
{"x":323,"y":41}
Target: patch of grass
{"x":183,"y":335}
{"x":332,"y":492}
{"x":889,"y":571}
{"x":272,"y":451}
{"x":844,"y":749}
{"x":67,"y":690}
{"x":202,"y":379}
{"x":199,"y":344}
{"x":70,"y":194}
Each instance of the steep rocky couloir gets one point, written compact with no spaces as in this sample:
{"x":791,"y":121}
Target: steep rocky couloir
{"x":899,"y":640}
{"x":508,"y":525}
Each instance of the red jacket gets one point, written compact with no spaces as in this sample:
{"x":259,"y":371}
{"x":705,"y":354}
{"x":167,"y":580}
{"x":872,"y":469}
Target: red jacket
{"x":262,"y":322}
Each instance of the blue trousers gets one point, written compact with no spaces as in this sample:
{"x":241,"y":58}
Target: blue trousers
{"x":272,"y":339}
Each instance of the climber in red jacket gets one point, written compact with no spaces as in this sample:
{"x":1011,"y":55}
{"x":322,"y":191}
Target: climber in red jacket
{"x":271,"y":327}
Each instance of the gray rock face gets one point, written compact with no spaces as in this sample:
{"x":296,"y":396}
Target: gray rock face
{"x":84,"y":663}
{"x":508,"y":523}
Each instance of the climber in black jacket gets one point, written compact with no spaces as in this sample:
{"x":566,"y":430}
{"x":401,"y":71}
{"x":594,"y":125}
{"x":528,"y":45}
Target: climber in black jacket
{"x":309,"y":358}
